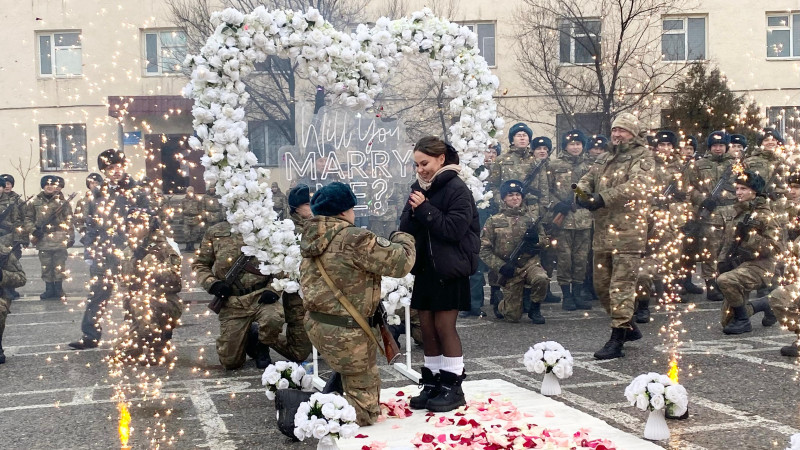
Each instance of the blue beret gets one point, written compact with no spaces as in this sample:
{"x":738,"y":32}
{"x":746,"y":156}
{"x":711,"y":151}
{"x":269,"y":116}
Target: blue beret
{"x":299,"y":195}
{"x":516,"y":129}
{"x":542,"y":141}
{"x":333,"y":199}
{"x":573,"y":136}
{"x":509,"y":187}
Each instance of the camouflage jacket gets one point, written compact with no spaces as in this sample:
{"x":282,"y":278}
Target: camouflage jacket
{"x":192,"y":210}
{"x":707,"y":173}
{"x":156,"y":268}
{"x":503,"y":232}
{"x":563,"y":172}
{"x":79,"y":215}
{"x":219,"y":249}
{"x":280,"y":204}
{"x":13,"y":275}
{"x":355,"y":259}
{"x":213,"y":210}
{"x":762,"y":242}
{"x":58,"y":233}
{"x":514,"y":164}
{"x":13,"y":220}
{"x":624,"y":179}
{"x":769,"y":166}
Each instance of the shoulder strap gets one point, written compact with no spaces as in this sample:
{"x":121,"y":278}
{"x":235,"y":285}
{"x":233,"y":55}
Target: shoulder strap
{"x":347,"y":305}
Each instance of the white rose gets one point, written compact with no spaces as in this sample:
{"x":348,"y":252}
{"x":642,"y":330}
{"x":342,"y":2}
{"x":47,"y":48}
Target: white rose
{"x":348,"y":430}
{"x":334,"y":427}
{"x":270,"y":395}
{"x":319,"y":431}
{"x":642,"y":402}
{"x":283,"y":383}
{"x":655,"y":388}
{"x":272,"y":378}
{"x":657,"y":401}
{"x":328,"y":410}
{"x":539,"y":366}
{"x":348,"y":414}
{"x":550,"y":357}
{"x":560,"y":370}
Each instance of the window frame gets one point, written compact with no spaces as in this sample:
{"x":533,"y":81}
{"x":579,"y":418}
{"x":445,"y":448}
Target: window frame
{"x":788,"y":27}
{"x":685,"y":32}
{"x":264,"y":125}
{"x":784,"y":120}
{"x":44,"y":165}
{"x":473,"y":26}
{"x":53,"y":66}
{"x":159,"y":59}
{"x":573,"y":37}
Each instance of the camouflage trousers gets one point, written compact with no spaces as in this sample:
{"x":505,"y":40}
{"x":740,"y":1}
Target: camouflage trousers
{"x":572,"y":254}
{"x":53,"y":264}
{"x":354,"y":355}
{"x":294,"y":344}
{"x":785,"y":303}
{"x":710,"y":246}
{"x":615,"y":276}
{"x":736,"y":285}
{"x":193,"y":233}
{"x":234,"y":324}
{"x":648,"y":271}
{"x":149,"y":320}
{"x":531,"y":274}
{"x":5,"y":308}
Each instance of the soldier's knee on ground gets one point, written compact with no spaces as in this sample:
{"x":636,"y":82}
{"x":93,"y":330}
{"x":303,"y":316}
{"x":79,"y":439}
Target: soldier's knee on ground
{"x":362,"y":391}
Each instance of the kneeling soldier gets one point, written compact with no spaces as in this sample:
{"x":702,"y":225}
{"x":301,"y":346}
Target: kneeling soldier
{"x":516,"y":226}
{"x":11,"y":276}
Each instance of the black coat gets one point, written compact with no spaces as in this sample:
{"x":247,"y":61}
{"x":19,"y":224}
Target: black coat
{"x":446,"y":228}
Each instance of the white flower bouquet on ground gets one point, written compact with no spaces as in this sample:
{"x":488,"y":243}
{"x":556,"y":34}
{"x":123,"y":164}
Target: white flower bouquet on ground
{"x":551,"y":359}
{"x":657,"y":393}
{"x":794,"y":444}
{"x":285,"y":375}
{"x":325,"y":417}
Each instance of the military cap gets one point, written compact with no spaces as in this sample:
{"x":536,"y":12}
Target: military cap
{"x":542,"y":141}
{"x":333,"y":199}
{"x":96,"y":177}
{"x":793,"y":178}
{"x":717,"y":137}
{"x":516,"y":129}
{"x":298,"y":195}
{"x":9,"y":178}
{"x":692,"y":142}
{"x":598,"y":141}
{"x":667,"y":136}
{"x":573,"y":136}
{"x":738,"y":139}
{"x":752,"y":180}
{"x":109,"y":157}
{"x":60,"y":182}
{"x":49,"y":179}
{"x":627,"y":121}
{"x":770,"y":132}
{"x":509,"y":187}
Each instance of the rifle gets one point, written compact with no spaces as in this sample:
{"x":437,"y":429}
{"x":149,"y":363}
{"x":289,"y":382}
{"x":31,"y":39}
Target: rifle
{"x":520,"y":249}
{"x":232,"y":278}
{"x":580,"y":193}
{"x":736,"y":255}
{"x":390,"y":348}
{"x":716,"y":193}
{"x":38,"y":232}
{"x":8,"y":210}
{"x":674,"y":183}
{"x":533,"y":173}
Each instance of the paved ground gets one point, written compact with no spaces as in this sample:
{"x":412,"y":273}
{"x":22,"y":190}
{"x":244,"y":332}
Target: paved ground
{"x":743,"y":394}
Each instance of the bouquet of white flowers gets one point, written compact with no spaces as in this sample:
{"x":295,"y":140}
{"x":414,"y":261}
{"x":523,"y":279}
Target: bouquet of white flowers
{"x":795,"y":442}
{"x":285,"y":375}
{"x":396,"y":292}
{"x":325,"y":415}
{"x":547,"y":357}
{"x":653,"y":392}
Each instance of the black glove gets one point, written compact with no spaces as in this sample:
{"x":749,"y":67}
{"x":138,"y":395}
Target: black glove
{"x":692,"y":228}
{"x":562,"y":208}
{"x":594,"y":203}
{"x":724,"y":266}
{"x":507,"y":271}
{"x":742,"y":231}
{"x":220,"y":289}
{"x":709,"y":204}
{"x":268,"y":298}
{"x":679,"y":196}
{"x":531,"y":235}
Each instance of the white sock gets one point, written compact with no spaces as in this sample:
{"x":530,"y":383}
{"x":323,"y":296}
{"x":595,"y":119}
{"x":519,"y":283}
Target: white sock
{"x":453,"y":365}
{"x":434,"y":363}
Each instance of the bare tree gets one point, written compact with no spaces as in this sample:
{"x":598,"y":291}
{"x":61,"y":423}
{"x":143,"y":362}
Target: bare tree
{"x":25,"y":167}
{"x":595,"y":58}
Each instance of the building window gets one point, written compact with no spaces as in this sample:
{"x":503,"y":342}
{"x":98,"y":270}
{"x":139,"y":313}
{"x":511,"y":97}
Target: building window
{"x":63,"y":147}
{"x":785,"y":119}
{"x":266,"y":139}
{"x":783,"y":35}
{"x":60,"y":54}
{"x":164,"y":51}
{"x":589,"y":123}
{"x":579,"y":41}
{"x":485,"y":32}
{"x":684,"y":39}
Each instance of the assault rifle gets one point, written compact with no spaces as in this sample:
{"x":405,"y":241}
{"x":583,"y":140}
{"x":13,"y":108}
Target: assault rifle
{"x":521,"y":248}
{"x":10,"y":208}
{"x":716,"y":193}
{"x":232,"y":279}
{"x":38,"y":232}
{"x":737,"y":255}
{"x":674,"y":183}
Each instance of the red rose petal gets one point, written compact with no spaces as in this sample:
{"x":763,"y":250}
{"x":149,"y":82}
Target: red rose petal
{"x":361,"y":436}
{"x":427,"y":438}
{"x":399,"y":394}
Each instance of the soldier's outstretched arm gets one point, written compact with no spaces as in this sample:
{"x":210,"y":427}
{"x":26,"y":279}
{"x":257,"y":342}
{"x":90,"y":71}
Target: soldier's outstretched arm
{"x":392,"y":257}
{"x":204,"y":262}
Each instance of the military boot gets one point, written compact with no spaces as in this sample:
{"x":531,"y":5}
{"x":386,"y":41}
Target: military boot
{"x":83,"y":343}
{"x":334,"y":384}
{"x":740,"y":323}
{"x":451,"y":396}
{"x":431,"y":386}
{"x":642,"y":313}
{"x":49,"y":291}
{"x":633,"y":334}
{"x":568,"y":304}
{"x":58,"y":290}
{"x":535,"y":313}
{"x":790,"y":350}
{"x":14,"y":294}
{"x":495,"y":298}
{"x":689,"y":287}
{"x":2,"y":354}
{"x":762,"y":305}
{"x":613,"y":348}
{"x":581,"y":297}
{"x":263,"y":360}
{"x":713,"y":293}
{"x":550,"y":297}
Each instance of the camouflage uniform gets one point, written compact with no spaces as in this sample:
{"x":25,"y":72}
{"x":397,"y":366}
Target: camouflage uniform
{"x":623,"y":178}
{"x":294,"y":345}
{"x":707,"y":173}
{"x":355,"y":259}
{"x":12,"y":277}
{"x":500,"y":236}
{"x":79,"y":216}
{"x":192,"y":211}
{"x":516,"y":164}
{"x":219,"y":250}
{"x":767,"y":164}
{"x":785,"y":300}
{"x":8,"y":226}
{"x":57,"y":235}
{"x":213,"y":211}
{"x":279,"y":202}
{"x":762,"y":244}
{"x":573,"y":237}
{"x":153,"y":278}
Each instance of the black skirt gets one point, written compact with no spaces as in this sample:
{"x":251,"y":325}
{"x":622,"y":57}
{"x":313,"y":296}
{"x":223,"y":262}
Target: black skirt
{"x":431,"y":293}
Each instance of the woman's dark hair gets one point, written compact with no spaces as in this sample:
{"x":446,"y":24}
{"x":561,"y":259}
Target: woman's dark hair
{"x":433,"y":146}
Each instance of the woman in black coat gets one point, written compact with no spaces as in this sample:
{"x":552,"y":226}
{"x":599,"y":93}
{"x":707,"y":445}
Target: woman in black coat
{"x":442,"y":216}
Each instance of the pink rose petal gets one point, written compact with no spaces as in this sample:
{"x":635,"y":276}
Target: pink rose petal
{"x":549,"y":413}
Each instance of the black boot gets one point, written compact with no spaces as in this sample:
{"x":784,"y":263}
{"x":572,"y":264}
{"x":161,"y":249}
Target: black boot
{"x":740,"y":323}
{"x":431,"y":386}
{"x":658,"y":287}
{"x":262,"y":356}
{"x":2,"y":354}
{"x":526,"y":300}
{"x":334,"y":384}
{"x":14,"y":294}
{"x":713,"y":293}
{"x":495,"y":298}
{"x":189,"y":247}
{"x":451,"y":396}
{"x":568,"y":304}
{"x":83,"y":343}
{"x":49,"y":292}
{"x":790,"y":350}
{"x":535,"y":313}
{"x":58,"y":290}
{"x":550,"y":297}
{"x":762,"y":305}
{"x":633,"y":334}
{"x":642,"y":313}
{"x":581,"y":297}
{"x":691,"y":288}
{"x":613,"y":348}
{"x":251,"y":341}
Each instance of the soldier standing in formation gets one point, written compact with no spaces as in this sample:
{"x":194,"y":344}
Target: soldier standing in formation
{"x":342,"y":261}
{"x":542,"y":148}
{"x":48,"y":218}
{"x":11,"y":276}
{"x":617,"y":188}
{"x":93,"y":183}
{"x":766,"y":162}
{"x":192,"y":212}
{"x":515,"y":225}
{"x":279,"y":203}
{"x":574,"y":226}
